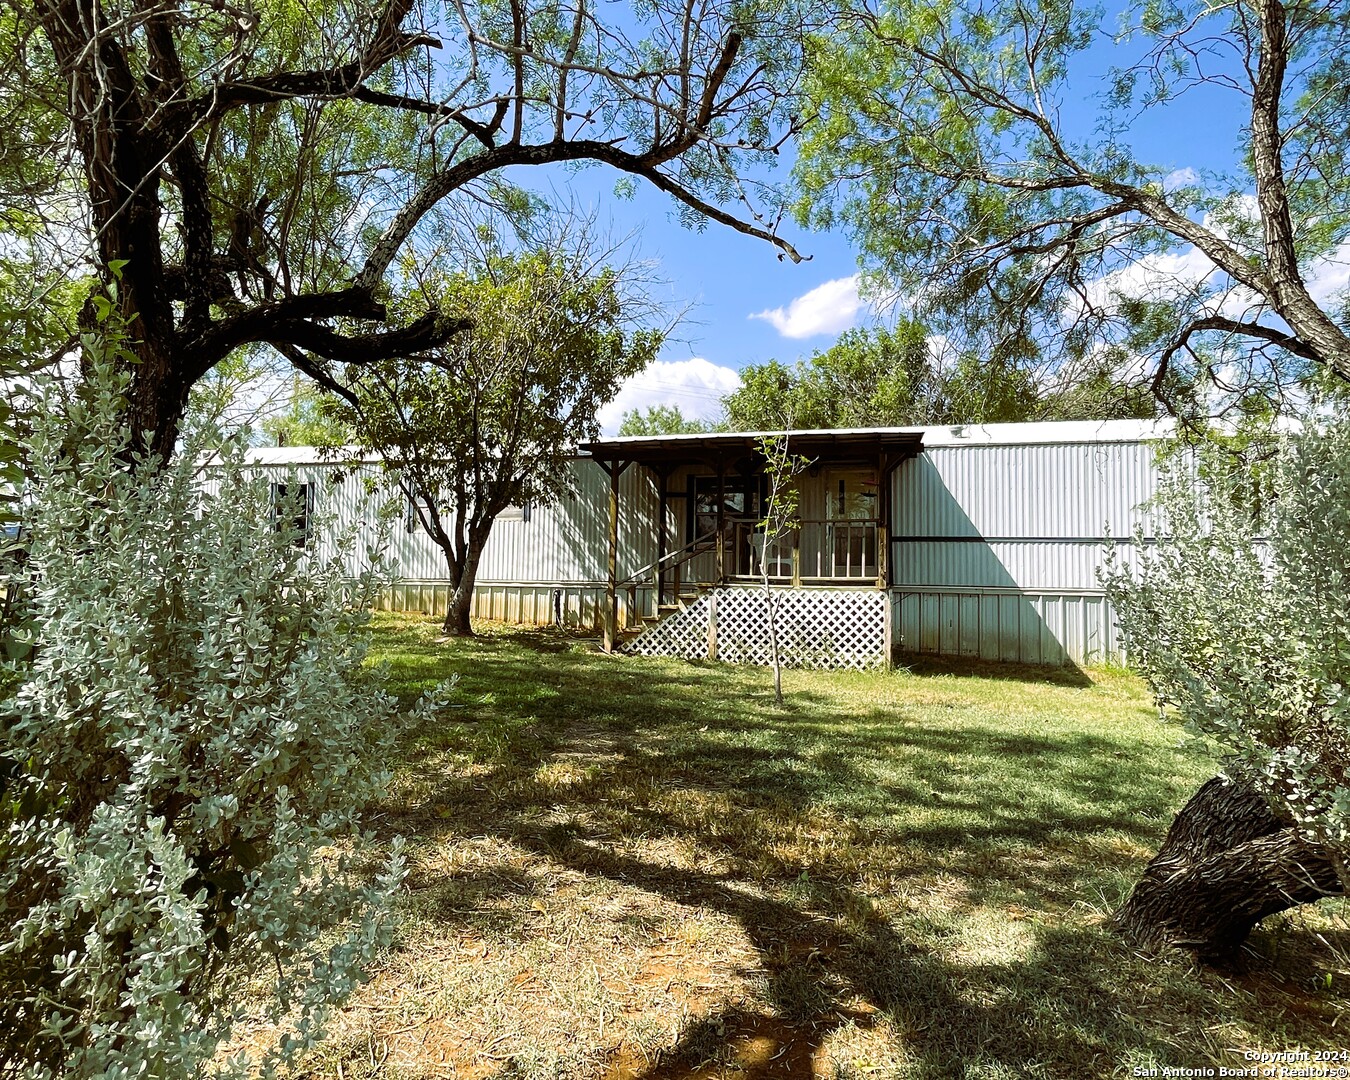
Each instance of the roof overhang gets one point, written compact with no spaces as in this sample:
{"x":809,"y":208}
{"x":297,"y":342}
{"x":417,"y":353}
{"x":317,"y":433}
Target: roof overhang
{"x":864,"y":445}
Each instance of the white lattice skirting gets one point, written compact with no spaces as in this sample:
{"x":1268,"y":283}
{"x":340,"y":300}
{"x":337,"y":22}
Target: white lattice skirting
{"x":817,"y":628}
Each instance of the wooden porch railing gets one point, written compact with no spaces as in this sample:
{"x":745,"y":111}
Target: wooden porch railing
{"x":820,"y":550}
{"x":673,"y":560}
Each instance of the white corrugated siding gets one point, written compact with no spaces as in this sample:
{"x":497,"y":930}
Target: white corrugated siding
{"x":994,"y":554}
{"x":344,"y":504}
{"x":553,"y":565}
{"x":566,"y":541}
{"x":1032,"y":565}
{"x":1071,"y":490}
{"x":996,"y":547}
{"x":1018,"y":627}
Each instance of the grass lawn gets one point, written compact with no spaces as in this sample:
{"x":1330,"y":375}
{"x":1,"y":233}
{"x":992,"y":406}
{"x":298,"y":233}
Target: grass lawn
{"x":628,"y":868}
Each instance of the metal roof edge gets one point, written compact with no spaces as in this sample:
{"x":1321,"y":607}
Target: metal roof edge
{"x":940,"y":435}
{"x":307,"y":455}
{"x":1046,"y":432}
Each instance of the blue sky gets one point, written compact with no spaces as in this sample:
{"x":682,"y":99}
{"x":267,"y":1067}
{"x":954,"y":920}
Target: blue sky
{"x":740,"y":296}
{"x":747,"y":306}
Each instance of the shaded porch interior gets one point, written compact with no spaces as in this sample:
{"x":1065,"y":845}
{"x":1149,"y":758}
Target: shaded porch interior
{"x":711,"y":495}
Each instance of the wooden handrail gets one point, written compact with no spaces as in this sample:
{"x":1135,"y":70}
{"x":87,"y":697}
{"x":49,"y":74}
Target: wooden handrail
{"x":732,"y":525}
{"x":688,"y":551}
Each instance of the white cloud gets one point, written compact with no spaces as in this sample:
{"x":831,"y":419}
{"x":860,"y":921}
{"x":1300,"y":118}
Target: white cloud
{"x":1151,"y":277}
{"x":696,"y":386}
{"x":831,"y":308}
{"x":1180,"y":178}
{"x":1329,"y":279}
{"x":1165,"y":275}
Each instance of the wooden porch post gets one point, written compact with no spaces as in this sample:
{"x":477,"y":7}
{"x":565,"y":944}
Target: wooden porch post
{"x":888,"y":630}
{"x":712,"y":625}
{"x":889,"y":463}
{"x":659,"y":573}
{"x":611,"y":629}
{"x":721,"y":516}
{"x":884,"y":522}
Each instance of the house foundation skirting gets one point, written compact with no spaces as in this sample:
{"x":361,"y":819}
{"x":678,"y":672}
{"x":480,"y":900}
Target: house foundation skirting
{"x":577,"y":605}
{"x":816,"y":628}
{"x":1051,"y":626}
{"x":1020,"y":626}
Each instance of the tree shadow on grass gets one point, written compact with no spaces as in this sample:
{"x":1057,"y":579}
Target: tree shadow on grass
{"x":923,"y":665}
{"x":794,"y":808}
{"x":822,"y":976}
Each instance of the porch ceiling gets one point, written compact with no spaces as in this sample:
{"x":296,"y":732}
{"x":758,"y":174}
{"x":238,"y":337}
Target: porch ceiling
{"x":671,"y":451}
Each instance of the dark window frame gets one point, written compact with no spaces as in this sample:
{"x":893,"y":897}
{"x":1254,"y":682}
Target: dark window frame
{"x":302,"y":525}
{"x":743,"y":497}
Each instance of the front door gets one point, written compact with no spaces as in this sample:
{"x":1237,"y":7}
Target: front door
{"x":852,"y":506}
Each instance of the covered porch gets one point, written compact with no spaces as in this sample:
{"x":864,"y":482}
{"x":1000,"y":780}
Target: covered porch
{"x":711,"y":495}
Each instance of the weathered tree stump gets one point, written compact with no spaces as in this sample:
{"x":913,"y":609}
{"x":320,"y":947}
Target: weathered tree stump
{"x":1226,"y":863}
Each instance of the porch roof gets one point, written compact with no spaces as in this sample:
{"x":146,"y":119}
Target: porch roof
{"x":838,"y":445}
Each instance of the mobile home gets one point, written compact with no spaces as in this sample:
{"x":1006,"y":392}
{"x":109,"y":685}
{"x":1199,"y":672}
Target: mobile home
{"x":979,"y":541}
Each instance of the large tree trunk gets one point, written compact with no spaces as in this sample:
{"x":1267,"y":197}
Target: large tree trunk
{"x":457,"y":614}
{"x":1226,"y":863}
{"x":464,"y":576}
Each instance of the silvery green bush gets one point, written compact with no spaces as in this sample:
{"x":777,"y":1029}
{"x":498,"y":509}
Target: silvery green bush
{"x":184,"y":764}
{"x":1239,"y":616}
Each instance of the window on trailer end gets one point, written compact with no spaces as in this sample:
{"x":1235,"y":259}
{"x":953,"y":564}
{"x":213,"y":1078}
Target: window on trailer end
{"x":293,"y":510}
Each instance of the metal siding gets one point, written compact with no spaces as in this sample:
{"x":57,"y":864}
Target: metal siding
{"x":968,"y":639}
{"x":905,"y":618}
{"x":1029,"y":628}
{"x":949,"y":630}
{"x":1053,"y":491}
{"x":990,"y":645}
{"x":1020,"y":586}
{"x":1007,"y":542}
{"x":532,"y":605}
{"x":568,"y":540}
{"x":930,"y":638}
{"x":564,"y":542}
{"x":342,"y":508}
{"x":1009,"y":629}
{"x":1035,"y":565}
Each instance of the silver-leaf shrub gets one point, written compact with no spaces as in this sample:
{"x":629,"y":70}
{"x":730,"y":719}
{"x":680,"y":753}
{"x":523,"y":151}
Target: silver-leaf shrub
{"x":1239,"y":616}
{"x":185,"y":762}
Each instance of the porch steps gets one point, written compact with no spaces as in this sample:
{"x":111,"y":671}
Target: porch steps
{"x":642,"y":623}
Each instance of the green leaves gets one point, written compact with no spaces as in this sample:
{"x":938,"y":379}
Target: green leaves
{"x":879,"y":377}
{"x":494,"y":418}
{"x":187,"y":757}
{"x":958,"y":142}
{"x":661,"y":420}
{"x":1239,"y":615}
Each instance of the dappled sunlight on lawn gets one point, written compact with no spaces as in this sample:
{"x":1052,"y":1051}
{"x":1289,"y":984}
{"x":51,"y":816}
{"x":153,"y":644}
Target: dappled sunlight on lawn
{"x":633,"y":868}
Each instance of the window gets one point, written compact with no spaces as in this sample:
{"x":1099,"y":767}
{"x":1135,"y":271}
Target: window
{"x":292,"y":510}
{"x":740,"y":500}
{"x":516,"y":513}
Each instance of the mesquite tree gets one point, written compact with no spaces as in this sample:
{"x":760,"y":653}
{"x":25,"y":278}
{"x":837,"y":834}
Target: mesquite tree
{"x":1032,"y":230}
{"x":1240,"y":619}
{"x":986,"y":154}
{"x":494,"y":417}
{"x":260,"y":167}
